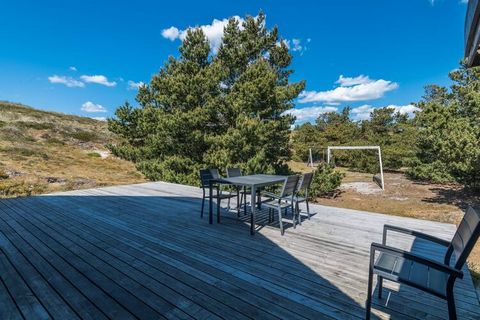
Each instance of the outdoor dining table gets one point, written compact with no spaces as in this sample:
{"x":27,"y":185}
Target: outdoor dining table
{"x":254,"y":182}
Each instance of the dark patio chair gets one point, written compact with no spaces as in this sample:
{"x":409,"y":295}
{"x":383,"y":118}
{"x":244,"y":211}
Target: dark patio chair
{"x":303,"y":187}
{"x":434,"y":277}
{"x":241,"y":192}
{"x":284,"y":200}
{"x":205,"y":176}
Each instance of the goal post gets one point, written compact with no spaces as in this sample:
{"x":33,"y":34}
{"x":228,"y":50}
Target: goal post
{"x":310,"y":158}
{"x":379,"y":152}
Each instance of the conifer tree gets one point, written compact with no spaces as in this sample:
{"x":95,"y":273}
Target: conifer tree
{"x":213,"y":110}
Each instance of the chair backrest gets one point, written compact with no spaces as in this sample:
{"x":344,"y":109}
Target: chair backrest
{"x":234,"y":172}
{"x":290,"y":186}
{"x":215,"y":173}
{"x":306,"y":181}
{"x":206,"y":175}
{"x":465,"y":238}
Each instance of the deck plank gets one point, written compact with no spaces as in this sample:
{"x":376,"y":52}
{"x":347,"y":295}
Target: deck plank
{"x":142,"y":250}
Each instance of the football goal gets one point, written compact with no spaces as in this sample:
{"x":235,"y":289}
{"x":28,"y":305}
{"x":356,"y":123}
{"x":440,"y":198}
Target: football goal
{"x":330,"y":149}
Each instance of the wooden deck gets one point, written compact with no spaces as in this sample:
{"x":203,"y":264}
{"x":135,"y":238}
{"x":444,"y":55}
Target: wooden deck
{"x":142,"y":251}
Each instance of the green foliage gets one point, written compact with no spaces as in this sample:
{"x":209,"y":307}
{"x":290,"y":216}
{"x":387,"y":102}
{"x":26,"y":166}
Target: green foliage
{"x":20,"y":152}
{"x":3,"y":175}
{"x":16,"y":188}
{"x":449,"y":126}
{"x":35,"y":125}
{"x":325,"y":181}
{"x":84,"y":136}
{"x":94,"y":155}
{"x":213,"y":110}
{"x":436,"y":172}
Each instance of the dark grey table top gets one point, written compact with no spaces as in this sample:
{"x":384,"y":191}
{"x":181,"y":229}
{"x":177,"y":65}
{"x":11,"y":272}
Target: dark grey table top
{"x":256,"y":180}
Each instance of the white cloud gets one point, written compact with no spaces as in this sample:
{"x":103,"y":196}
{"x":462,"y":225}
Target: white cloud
{"x":132,"y":85}
{"x":362,"y":112}
{"x":295,"y":45}
{"x":72,"y":68}
{"x":213,"y":32}
{"x":309,"y":113}
{"x":408,"y":109}
{"x":352,"y":81}
{"x":68,"y":81}
{"x":99,"y":79}
{"x":359,"y":88}
{"x":100,"y":118}
{"x":92,"y":107}
{"x":171,"y":33}
{"x":464,"y":1}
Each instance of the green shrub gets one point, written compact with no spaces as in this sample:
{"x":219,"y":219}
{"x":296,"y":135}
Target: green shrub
{"x":24,"y":152}
{"x":14,"y":188}
{"x":3,"y":175}
{"x":36,"y":125}
{"x":53,"y":140}
{"x":436,"y":172}
{"x":94,"y":155}
{"x":172,"y":169}
{"x":84,"y":136}
{"x":325,"y":181}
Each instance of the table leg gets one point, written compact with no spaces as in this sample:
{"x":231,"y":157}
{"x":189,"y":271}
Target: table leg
{"x":244,"y":201}
{"x":259,"y":200}
{"x":252,"y":214}
{"x":210,"y":213}
{"x":218,"y":205}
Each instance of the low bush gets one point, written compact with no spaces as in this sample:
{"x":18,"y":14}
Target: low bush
{"x":94,"y":155}
{"x":436,"y":172}
{"x":325,"y":181}
{"x":15,"y":188}
{"x":84,"y":136}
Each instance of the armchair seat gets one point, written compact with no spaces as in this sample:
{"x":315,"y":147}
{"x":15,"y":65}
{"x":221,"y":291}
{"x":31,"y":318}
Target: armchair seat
{"x":406,"y":271}
{"x":299,"y":199}
{"x":274,"y":203}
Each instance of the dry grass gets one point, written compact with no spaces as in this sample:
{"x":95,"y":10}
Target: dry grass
{"x":43,"y":152}
{"x":404,"y":197}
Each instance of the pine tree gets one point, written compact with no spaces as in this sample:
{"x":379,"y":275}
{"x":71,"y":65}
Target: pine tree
{"x":213,"y":110}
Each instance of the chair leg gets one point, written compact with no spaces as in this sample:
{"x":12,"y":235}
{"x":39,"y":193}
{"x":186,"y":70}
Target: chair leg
{"x":452,"y":311}
{"x":368,"y":305}
{"x":203,"y":204}
{"x":294,"y":217}
{"x":238,"y":202}
{"x":299,"y":216}
{"x":308,"y":208}
{"x":380,"y":287}
{"x":280,"y":219}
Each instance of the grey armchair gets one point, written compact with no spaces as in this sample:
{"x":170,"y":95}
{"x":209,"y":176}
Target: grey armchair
{"x":205,"y":176}
{"x":304,"y":187}
{"x":434,"y":277}
{"x":241,"y":192}
{"x":283,"y":200}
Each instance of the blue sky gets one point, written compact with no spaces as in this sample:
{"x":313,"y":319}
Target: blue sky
{"x":86,"y":57}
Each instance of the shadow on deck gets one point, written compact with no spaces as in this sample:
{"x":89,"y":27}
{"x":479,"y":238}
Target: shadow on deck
{"x":142,"y":251}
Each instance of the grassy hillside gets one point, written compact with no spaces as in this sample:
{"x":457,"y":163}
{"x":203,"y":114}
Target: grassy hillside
{"x":42,"y":152}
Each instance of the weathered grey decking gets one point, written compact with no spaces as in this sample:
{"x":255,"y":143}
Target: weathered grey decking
{"x":143,"y":251}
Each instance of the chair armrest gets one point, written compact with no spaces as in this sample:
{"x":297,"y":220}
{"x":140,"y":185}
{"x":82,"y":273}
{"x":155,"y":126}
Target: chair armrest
{"x":412,"y":233}
{"x":270,"y":195}
{"x":413,"y":257}
{"x":276,"y":196}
